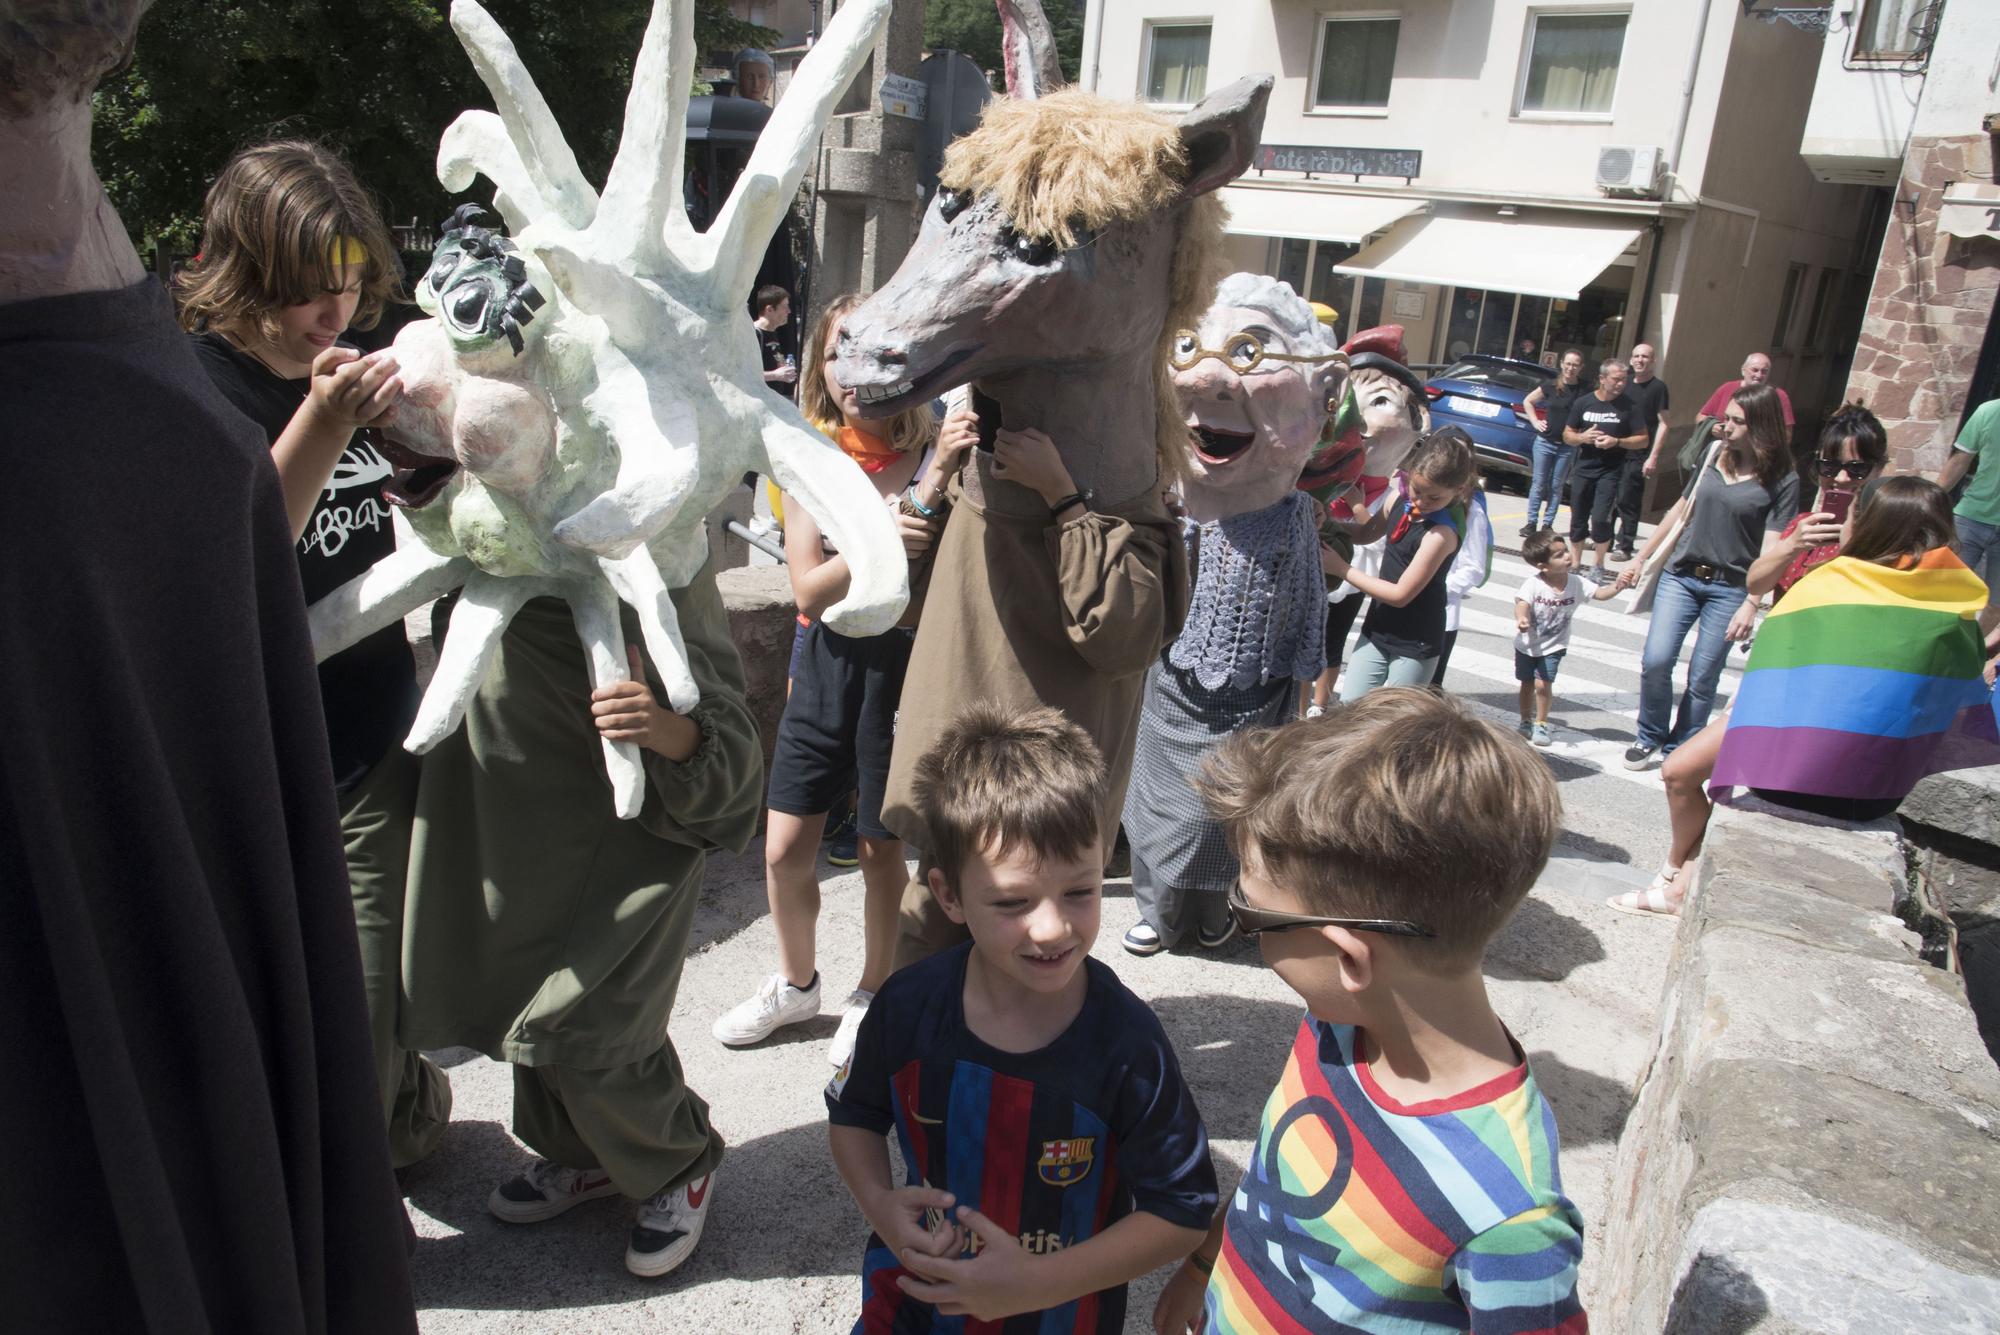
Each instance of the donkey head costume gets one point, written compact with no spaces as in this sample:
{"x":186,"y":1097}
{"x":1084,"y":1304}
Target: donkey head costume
{"x":588,"y":390}
{"x":1070,"y":237}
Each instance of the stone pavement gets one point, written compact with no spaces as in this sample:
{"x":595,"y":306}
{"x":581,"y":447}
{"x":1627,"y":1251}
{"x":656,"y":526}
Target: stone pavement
{"x":1578,"y":983}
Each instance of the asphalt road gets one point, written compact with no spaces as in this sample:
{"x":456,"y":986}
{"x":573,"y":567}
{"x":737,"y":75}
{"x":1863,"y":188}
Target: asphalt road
{"x":1577,"y":982}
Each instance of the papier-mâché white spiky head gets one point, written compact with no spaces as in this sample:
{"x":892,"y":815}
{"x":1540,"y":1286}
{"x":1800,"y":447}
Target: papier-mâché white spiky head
{"x":588,"y":387}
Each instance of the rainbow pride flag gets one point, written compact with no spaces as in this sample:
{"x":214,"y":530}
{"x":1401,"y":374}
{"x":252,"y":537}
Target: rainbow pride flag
{"x":1863,"y":680}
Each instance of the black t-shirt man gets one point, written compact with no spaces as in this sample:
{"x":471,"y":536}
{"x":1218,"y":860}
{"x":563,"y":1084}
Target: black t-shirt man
{"x":369,"y":691}
{"x":1617,"y":417}
{"x":1650,"y":398}
{"x":776,"y":346}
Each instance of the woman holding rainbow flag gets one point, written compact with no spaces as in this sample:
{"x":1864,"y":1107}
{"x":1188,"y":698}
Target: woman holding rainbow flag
{"x":1868,"y":676}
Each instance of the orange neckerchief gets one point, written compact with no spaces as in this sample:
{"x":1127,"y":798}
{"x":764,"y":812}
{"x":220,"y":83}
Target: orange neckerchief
{"x":872,"y":452}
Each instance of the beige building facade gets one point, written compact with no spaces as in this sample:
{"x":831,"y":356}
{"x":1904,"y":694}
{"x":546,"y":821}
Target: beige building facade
{"x":1520,"y":178}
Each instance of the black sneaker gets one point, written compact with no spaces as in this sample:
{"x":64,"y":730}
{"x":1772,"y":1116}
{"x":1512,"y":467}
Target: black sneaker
{"x":839,"y":842}
{"x":1622,"y":553}
{"x":1640,"y":757}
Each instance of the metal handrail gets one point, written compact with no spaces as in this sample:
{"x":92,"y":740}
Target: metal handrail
{"x":757,"y":540}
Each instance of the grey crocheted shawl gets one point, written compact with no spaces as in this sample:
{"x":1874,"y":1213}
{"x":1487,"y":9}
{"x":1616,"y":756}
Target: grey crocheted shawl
{"x":1259,"y":608}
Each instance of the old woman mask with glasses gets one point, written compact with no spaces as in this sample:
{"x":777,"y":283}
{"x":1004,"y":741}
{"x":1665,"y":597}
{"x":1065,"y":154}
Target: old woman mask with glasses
{"x":1258,"y":381}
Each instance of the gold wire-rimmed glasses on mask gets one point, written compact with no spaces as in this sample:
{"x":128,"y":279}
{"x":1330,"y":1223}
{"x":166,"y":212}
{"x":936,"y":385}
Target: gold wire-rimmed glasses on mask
{"x":1242,"y":352}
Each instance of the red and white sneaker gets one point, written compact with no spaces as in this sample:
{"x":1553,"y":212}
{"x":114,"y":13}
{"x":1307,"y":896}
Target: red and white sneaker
{"x":546,"y":1190}
{"x":669,"y":1225}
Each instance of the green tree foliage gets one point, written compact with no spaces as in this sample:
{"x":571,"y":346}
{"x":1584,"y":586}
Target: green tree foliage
{"x":378,"y":80}
{"x":973,"y":26}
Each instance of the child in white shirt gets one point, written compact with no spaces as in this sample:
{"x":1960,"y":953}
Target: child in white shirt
{"x":1543,"y":609}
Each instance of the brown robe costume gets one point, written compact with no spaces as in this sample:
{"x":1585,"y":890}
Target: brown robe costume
{"x":1118,"y":580}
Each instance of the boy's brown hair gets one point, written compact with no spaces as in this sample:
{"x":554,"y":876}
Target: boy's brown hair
{"x":1539,"y":546}
{"x":1009,"y":778}
{"x":268,"y":231}
{"x":1400,"y":805}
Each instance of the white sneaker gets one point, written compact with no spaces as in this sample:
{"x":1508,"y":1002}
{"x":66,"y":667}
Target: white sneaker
{"x":546,"y":1190}
{"x":842,"y":1046}
{"x":668,"y":1227}
{"x":1315,"y":711}
{"x":776,"y":1005}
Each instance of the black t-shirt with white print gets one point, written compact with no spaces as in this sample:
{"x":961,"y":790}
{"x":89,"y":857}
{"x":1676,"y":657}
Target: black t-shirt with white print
{"x":774,"y":346}
{"x":368,"y":691}
{"x":1619,"y":417}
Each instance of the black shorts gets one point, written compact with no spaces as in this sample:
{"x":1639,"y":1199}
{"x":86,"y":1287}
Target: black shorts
{"x":839,"y":725}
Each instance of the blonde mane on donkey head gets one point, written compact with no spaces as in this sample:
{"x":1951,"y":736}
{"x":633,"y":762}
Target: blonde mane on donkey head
{"x":1071,"y":163}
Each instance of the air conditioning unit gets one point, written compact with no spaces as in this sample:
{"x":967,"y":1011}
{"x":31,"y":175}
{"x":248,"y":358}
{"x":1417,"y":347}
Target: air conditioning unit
{"x":1627,"y":169}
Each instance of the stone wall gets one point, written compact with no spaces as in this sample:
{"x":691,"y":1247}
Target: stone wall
{"x":1817,"y":1142}
{"x":761,"y":622}
{"x":1928,"y":309}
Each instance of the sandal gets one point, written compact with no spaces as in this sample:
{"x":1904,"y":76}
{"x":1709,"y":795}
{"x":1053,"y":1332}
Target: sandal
{"x":1652,"y":902}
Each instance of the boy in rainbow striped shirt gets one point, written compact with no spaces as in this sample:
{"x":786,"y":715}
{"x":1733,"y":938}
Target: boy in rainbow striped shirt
{"x":1405,"y":1173}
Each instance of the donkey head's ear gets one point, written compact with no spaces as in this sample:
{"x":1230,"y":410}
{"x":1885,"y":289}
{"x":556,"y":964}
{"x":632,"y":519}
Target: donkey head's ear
{"x":1222,"y":131}
{"x":1028,"y":47}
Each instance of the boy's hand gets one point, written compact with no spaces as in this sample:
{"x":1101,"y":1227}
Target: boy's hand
{"x":898,"y":1217}
{"x":351,"y":390}
{"x":996,"y":1283}
{"x":627,"y":712}
{"x":1332,"y":562}
{"x":1180,"y":1309}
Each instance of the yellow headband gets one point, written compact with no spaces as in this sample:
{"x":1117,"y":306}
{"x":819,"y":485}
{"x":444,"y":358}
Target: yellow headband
{"x":346,"y":250}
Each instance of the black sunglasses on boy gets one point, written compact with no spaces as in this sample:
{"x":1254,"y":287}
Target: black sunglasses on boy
{"x":1251,"y":920}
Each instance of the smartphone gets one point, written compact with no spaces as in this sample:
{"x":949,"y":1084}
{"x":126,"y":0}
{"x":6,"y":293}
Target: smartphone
{"x":988,"y":411}
{"x":1836,"y":502}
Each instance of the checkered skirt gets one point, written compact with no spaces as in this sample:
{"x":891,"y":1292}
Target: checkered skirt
{"x":1179,"y":723}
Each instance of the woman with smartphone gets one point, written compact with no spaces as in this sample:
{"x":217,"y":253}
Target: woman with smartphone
{"x":1853,"y":449}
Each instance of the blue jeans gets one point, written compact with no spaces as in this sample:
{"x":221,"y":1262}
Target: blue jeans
{"x":1681,"y":603}
{"x":1979,"y":547}
{"x":1546,"y":487}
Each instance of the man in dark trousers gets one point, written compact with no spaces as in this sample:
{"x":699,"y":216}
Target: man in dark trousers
{"x":1606,"y":425}
{"x":189,"y":1100}
{"x":1649,"y":395}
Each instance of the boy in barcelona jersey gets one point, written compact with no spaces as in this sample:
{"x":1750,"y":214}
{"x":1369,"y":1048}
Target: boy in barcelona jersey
{"x":1054,"y":1151}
